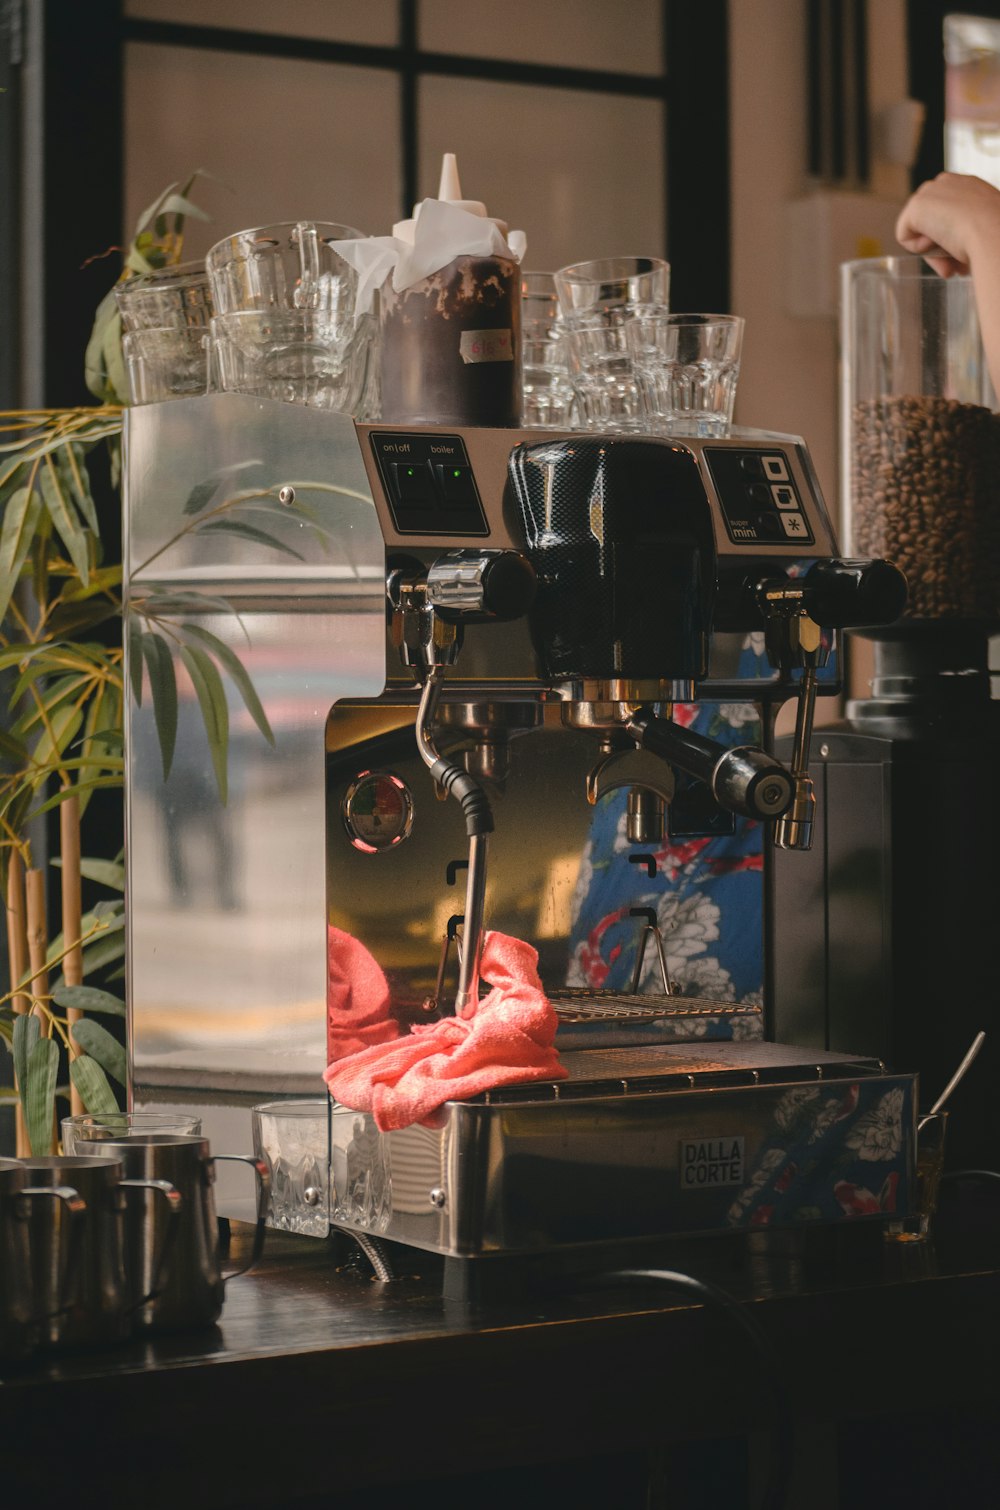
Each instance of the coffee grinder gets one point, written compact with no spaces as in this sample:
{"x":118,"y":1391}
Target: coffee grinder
{"x":893,"y":950}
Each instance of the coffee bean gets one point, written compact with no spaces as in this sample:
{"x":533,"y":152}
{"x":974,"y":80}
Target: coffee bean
{"x":925,"y":492}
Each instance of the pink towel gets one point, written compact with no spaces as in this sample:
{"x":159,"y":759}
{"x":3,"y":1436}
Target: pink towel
{"x":357,"y":998}
{"x":508,"y":1040}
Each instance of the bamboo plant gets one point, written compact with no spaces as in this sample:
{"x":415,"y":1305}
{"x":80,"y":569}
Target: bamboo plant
{"x":61,"y":739}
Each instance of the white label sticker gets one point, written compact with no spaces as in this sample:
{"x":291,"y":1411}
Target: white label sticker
{"x":486,"y":346}
{"x":705,"y":1162}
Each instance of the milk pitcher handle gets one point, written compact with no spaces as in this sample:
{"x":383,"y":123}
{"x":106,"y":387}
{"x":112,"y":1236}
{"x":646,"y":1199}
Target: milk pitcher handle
{"x":263,"y":1175}
{"x":76,"y":1209}
{"x":174,"y":1201}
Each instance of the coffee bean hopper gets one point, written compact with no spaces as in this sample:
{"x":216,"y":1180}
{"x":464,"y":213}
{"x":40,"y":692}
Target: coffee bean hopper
{"x":532,"y":660}
{"x":894,"y":953}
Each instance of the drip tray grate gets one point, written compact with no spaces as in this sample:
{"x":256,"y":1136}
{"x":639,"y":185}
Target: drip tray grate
{"x":620,"y":1006}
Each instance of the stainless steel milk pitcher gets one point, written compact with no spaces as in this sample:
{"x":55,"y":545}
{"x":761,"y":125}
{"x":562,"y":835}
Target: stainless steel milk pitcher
{"x":19,"y":1310}
{"x":192,"y":1288}
{"x":77,"y":1263}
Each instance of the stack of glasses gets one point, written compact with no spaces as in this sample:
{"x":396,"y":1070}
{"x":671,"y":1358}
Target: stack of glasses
{"x":635,"y":366}
{"x":165,"y":318}
{"x":285,"y":325}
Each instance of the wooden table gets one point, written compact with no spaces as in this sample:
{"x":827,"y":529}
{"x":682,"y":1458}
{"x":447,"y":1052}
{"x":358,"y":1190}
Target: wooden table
{"x":322,"y":1385}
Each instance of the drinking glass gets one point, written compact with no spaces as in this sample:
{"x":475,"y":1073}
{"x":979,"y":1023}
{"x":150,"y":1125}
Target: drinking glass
{"x":546,"y":390}
{"x":293,"y":1140}
{"x":300,"y":356}
{"x":686,"y":367}
{"x":931,"y":1130}
{"x":612,"y":283}
{"x":93,"y":1127}
{"x":602,"y":372}
{"x":165,"y":362}
{"x":172,"y":296}
{"x":293,"y":265}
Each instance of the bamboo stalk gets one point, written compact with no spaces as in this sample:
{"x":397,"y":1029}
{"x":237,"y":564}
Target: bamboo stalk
{"x":72,"y":913}
{"x":38,"y":945}
{"x":38,"y":940}
{"x":17,"y":954}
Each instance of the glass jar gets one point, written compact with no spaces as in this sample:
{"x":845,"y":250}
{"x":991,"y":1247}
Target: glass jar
{"x":920,"y":436}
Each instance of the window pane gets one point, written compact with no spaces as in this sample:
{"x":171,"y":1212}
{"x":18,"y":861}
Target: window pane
{"x":332,"y":20}
{"x":549,"y":162}
{"x":284,"y":140}
{"x":568,"y":33}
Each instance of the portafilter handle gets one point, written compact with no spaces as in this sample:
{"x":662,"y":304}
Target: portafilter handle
{"x":744,"y":780}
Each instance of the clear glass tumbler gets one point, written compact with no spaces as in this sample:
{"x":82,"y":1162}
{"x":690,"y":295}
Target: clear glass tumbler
{"x":293,"y":1139}
{"x":602,"y":372}
{"x":686,"y":367}
{"x":293,"y":265}
{"x":171,"y":296}
{"x":84,"y":1132}
{"x":546,"y":390}
{"x":612,"y":283}
{"x":167,"y":362}
{"x":300,"y":356}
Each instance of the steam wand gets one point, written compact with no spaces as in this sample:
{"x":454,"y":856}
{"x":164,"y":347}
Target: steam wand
{"x":479,"y":825}
{"x":429,"y":612}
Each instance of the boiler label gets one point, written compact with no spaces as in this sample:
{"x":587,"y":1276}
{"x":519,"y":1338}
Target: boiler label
{"x":711,"y":1161}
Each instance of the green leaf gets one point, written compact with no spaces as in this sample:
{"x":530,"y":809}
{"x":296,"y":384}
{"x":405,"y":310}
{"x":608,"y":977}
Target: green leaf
{"x":201,"y":495}
{"x":65,"y":723}
{"x":75,"y":615}
{"x":76,"y":790}
{"x":38,"y":1096}
{"x":95,"y":372}
{"x":215,"y":714}
{"x":88,"y":999}
{"x":27,"y":1031}
{"x":237,"y":671}
{"x":20,"y":521}
{"x":65,"y":518}
{"x":104,"y":872}
{"x":247,"y":532}
{"x":12,"y":748}
{"x":90,"y":1080}
{"x":133,"y":655}
{"x":105,"y":952}
{"x":72,"y":466}
{"x":100,"y":1045}
{"x":203,"y":492}
{"x":163,"y":686}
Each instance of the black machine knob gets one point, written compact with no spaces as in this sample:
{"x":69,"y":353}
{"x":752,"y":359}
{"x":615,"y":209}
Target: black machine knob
{"x":475,"y":586}
{"x":852,"y":594}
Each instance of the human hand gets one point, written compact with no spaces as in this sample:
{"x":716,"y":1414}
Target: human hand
{"x":950,"y":221}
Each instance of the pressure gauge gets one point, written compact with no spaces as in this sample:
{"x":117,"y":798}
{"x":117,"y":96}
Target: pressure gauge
{"x":377,"y":809}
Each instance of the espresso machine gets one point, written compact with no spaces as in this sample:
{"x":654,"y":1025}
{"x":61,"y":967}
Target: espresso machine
{"x":553,"y":605}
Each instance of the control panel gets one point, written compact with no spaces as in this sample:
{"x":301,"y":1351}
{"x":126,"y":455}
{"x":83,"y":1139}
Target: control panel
{"x":759,"y":496}
{"x":428,"y":484}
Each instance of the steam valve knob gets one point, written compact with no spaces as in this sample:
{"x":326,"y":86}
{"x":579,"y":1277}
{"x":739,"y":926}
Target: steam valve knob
{"x":852,"y":594}
{"x":475,"y":586}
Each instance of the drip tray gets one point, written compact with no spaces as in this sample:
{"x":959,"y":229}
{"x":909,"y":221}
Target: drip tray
{"x":688,"y":1066}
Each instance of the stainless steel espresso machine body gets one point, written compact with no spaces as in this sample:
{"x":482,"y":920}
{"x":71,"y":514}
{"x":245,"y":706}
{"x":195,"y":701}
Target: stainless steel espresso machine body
{"x":552,"y":601}
{"x":500,"y":638}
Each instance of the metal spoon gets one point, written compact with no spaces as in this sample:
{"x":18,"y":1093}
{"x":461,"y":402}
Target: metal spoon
{"x":970,"y":1054}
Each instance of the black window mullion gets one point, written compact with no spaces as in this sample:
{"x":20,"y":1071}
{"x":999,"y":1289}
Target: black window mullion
{"x":697,"y":163}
